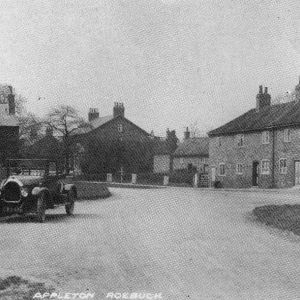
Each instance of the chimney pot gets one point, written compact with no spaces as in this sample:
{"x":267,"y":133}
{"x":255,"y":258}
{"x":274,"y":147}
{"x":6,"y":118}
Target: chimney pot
{"x":187,"y":134}
{"x":262,"y":99}
{"x":93,"y":114}
{"x":119,"y":109}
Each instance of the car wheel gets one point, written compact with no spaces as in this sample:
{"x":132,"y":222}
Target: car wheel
{"x":71,"y":202}
{"x":41,"y":208}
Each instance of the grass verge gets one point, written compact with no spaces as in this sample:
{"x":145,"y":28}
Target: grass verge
{"x":285,"y":217}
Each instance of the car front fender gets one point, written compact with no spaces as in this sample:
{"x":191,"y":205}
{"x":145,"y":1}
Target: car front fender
{"x":68,"y":187}
{"x":37,"y":190}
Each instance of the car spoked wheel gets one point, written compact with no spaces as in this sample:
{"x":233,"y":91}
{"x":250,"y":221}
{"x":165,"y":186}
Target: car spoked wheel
{"x":41,"y":208}
{"x":71,"y":202}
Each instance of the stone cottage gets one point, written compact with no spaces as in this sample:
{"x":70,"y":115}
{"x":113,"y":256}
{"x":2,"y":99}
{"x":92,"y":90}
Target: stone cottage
{"x":192,"y":153}
{"x":260,"y":148}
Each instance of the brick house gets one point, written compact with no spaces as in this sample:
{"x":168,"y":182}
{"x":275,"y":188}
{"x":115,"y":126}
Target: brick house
{"x":259,"y":148}
{"x":9,"y":125}
{"x":162,"y":157}
{"x":192,"y":153}
{"x":117,"y":143}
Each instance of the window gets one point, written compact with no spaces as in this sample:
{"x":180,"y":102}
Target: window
{"x":222,"y":170}
{"x":265,"y":136}
{"x":239,"y":169}
{"x":240,"y":139}
{"x":265,"y":167}
{"x":283,"y":166}
{"x":219,"y":141}
{"x":287,"y":135}
{"x":120,"y":127}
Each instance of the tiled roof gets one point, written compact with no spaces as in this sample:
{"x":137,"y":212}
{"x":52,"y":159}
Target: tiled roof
{"x":94,"y":124}
{"x":160,"y":147}
{"x":193,"y":147}
{"x":8,"y":120}
{"x":273,"y":116}
{"x":100,"y":121}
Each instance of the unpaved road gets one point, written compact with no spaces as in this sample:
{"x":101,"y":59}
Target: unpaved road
{"x":183,"y":243}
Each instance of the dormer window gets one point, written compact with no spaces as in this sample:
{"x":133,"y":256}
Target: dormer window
{"x":240,"y":140}
{"x":120,"y":127}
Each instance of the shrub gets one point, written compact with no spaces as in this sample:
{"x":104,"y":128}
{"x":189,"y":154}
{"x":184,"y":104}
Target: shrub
{"x":182,"y":176}
{"x":150,"y":178}
{"x":218,"y":184}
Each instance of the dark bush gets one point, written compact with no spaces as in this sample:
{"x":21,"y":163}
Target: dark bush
{"x":91,"y":177}
{"x":182,"y":177}
{"x":218,"y":184}
{"x":150,"y":178}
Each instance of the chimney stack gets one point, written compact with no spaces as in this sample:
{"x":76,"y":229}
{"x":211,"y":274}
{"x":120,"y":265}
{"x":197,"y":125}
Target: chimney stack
{"x":262,"y":99}
{"x":93,"y":114}
{"x":119,"y":109}
{"x":187,"y":134}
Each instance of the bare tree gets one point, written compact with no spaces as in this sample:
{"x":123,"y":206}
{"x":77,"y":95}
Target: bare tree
{"x":30,"y":128}
{"x":65,"y":120}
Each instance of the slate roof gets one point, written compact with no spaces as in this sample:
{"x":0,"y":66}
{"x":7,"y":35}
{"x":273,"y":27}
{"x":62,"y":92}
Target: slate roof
{"x":160,"y":147}
{"x":4,"y":89}
{"x":193,"y":147}
{"x":273,"y":116}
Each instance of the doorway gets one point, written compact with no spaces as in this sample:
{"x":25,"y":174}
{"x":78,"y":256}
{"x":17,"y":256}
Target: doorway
{"x":213,"y":174}
{"x":297,"y":172}
{"x":255,"y":173}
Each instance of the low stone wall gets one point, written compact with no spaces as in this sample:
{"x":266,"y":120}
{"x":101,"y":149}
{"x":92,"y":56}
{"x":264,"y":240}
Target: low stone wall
{"x":90,"y":190}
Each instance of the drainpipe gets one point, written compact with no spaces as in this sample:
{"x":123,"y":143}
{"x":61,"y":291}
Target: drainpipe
{"x":273,"y":157}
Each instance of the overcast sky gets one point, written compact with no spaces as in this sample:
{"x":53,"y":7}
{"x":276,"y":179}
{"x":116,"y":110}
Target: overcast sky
{"x":172,"y":62}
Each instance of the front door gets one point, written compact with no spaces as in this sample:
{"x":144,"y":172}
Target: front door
{"x":213,"y":174}
{"x":255,"y":168}
{"x":297,"y":172}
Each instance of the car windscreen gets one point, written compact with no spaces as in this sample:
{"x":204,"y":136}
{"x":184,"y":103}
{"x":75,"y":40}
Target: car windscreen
{"x":31,"y":167}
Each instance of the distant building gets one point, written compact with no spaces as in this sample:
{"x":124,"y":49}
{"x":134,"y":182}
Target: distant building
{"x":47,"y":147}
{"x":9,"y":126}
{"x":122,"y":145}
{"x":259,"y":148}
{"x":192,"y":153}
{"x":162,"y":156}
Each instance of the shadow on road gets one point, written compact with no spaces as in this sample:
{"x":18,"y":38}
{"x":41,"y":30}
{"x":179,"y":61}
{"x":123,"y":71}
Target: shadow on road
{"x":50,"y":218}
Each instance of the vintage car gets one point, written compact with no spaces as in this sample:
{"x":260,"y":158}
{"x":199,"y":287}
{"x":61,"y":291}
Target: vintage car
{"x":34,"y":185}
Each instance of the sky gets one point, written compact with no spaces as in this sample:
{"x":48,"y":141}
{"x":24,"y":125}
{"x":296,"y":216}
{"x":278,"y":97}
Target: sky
{"x":173,"y":63}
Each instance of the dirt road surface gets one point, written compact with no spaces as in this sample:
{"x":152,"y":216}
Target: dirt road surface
{"x":184,"y":243}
